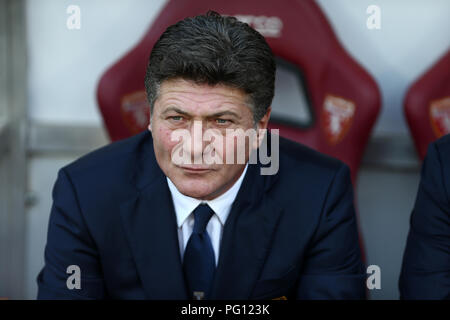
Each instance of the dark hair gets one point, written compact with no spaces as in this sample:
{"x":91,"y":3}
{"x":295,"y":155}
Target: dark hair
{"x":214,"y":49}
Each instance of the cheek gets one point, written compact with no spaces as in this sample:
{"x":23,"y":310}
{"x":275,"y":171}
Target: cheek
{"x":163,"y":138}
{"x":236,"y":148}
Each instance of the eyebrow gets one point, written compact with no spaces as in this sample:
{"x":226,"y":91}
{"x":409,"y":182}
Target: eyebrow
{"x":218,"y":114}
{"x":176,"y":110}
{"x":225,"y":113}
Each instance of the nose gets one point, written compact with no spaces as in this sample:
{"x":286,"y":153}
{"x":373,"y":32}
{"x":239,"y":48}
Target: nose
{"x":197,"y":143}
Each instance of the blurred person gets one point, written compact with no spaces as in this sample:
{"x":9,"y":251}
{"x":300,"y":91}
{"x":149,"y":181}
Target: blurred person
{"x":132,"y":223}
{"x":425,"y":271}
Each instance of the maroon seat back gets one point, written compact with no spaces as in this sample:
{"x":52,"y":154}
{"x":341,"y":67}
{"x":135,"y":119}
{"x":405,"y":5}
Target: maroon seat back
{"x":427,"y":105}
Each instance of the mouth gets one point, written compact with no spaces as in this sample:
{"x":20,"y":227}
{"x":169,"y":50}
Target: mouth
{"x":195,"y":169}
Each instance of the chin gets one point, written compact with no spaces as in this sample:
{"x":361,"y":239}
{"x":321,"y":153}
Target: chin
{"x":195,"y":192}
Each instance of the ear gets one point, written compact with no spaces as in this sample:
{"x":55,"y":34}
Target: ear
{"x":261,"y":126}
{"x":150,"y":125}
{"x":150,"y":122}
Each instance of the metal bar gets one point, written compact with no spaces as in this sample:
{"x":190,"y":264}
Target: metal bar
{"x":13,"y":143}
{"x":64,"y":139}
{"x":4,"y":137}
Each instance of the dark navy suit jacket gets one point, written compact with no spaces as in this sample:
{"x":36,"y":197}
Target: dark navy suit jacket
{"x":426,"y":262}
{"x":292,"y":234}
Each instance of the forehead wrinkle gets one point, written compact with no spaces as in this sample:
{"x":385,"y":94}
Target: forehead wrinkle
{"x":176,"y":86}
{"x":202,"y":98}
{"x":192,"y":104}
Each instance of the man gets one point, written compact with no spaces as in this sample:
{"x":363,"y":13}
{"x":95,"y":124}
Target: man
{"x":426,"y":261}
{"x":174,"y":214}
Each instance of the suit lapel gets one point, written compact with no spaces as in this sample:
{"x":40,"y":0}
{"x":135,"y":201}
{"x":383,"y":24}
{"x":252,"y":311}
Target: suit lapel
{"x":246,"y":239}
{"x":150,"y":225}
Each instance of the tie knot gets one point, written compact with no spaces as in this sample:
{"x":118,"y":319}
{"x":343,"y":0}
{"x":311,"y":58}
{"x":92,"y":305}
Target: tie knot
{"x":202,"y":214}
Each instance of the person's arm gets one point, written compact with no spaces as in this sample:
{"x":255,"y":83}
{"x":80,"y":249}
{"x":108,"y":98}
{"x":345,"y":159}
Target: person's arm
{"x":426,"y":262}
{"x":69,"y":243}
{"x":333,"y":267}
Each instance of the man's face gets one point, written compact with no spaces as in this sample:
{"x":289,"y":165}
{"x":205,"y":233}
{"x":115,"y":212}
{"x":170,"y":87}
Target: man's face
{"x":183,"y":106}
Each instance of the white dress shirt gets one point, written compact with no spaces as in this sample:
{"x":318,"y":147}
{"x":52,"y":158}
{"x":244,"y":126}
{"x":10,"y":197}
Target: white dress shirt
{"x":184,"y":206}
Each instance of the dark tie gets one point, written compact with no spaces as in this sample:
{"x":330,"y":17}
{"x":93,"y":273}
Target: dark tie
{"x":198,"y":262}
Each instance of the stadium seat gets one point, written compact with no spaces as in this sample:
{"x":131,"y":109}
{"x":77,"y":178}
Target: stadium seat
{"x":427,"y":105}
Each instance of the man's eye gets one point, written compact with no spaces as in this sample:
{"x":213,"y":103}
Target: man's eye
{"x":222,"y":121}
{"x":176,"y":118}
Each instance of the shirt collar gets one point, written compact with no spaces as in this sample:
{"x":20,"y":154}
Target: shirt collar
{"x":221,"y":205}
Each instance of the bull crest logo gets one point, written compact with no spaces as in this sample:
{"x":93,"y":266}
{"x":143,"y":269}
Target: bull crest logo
{"x":440,"y":116}
{"x":135,"y":111}
{"x":337,"y":117}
